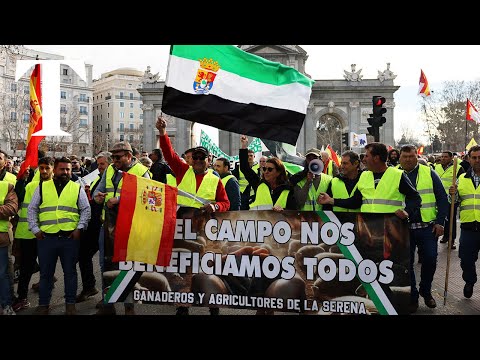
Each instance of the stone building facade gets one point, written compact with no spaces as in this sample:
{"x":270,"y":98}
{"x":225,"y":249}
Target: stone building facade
{"x":347,"y":101}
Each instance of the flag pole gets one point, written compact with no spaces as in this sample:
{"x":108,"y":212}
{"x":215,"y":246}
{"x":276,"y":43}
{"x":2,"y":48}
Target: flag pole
{"x":466,"y":135}
{"x":450,"y":228}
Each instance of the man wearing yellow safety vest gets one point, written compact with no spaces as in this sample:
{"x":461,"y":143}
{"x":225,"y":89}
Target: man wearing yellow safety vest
{"x":108,"y":192}
{"x":344,"y":185}
{"x":8,"y":209}
{"x":426,"y":227}
{"x":381,"y":189}
{"x":308,"y":186}
{"x":206,"y":190}
{"x":468,"y":188}
{"x":58,"y":212}
{"x":445,"y":171}
{"x":230,"y":182}
{"x":25,"y":239}
{"x":89,"y":240}
{"x":245,"y":188}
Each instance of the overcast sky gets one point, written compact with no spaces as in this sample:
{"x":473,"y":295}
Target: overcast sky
{"x":439,"y":63}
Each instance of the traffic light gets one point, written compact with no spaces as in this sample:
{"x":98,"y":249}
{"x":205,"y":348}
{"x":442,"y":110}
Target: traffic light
{"x":377,"y":119}
{"x":378,"y":110}
{"x":345,"y":139}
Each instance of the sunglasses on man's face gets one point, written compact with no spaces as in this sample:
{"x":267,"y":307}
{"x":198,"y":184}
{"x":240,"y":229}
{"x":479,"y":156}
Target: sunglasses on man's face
{"x":269,"y":169}
{"x":199,"y":157}
{"x":117,"y":157}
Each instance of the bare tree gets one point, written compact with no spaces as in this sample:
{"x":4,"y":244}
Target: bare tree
{"x":408,"y":137}
{"x":445,"y":114}
{"x":102,"y":141}
{"x":15,"y":113}
{"x":71,"y":121}
{"x":10,"y":49}
{"x":329,"y":131}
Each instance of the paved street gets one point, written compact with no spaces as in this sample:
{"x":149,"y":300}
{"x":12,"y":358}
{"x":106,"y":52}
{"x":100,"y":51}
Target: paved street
{"x":456,"y":304}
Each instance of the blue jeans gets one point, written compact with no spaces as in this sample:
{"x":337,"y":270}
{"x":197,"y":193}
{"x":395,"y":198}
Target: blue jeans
{"x":427,"y":245}
{"x":468,"y":254}
{"x":49,"y":250}
{"x":5,"y":295}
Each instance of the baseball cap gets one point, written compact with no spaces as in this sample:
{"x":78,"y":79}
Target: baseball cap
{"x":121,"y":146}
{"x":313,"y":151}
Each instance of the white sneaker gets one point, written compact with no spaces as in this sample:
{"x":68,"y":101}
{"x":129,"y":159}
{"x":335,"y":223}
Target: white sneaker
{"x":8,"y":310}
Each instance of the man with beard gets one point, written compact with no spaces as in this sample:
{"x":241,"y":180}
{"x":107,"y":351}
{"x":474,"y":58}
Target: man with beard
{"x":393,"y":157}
{"x":108,"y":193}
{"x":58,"y":212}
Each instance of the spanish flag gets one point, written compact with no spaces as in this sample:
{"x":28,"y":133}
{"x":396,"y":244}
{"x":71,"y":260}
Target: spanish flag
{"x":146,"y":221}
{"x":472,"y":113}
{"x":423,"y":88}
{"x":31,"y":155}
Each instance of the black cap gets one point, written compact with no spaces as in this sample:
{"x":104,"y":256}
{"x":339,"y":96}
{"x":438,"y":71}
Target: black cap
{"x":200,"y":149}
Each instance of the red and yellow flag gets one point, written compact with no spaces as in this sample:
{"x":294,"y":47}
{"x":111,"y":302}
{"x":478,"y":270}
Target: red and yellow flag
{"x":31,"y":155}
{"x":420,"y":150}
{"x":423,"y":88}
{"x":146,"y":221}
{"x":472,"y":113}
{"x":333,"y":155}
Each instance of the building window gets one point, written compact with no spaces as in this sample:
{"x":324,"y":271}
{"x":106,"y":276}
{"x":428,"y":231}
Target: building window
{"x":122,"y":137}
{"x":131,"y":105}
{"x":108,"y":127}
{"x":121,"y":94}
{"x":26,"y":89}
{"x":101,"y":106}
{"x":83,"y":110}
{"x":97,"y":129}
{"x":83,"y":97}
{"x":131,"y":96}
{"x":122,"y":115}
{"x":122,"y":104}
{"x":13,"y":87}
{"x":108,"y":115}
{"x":132,"y":127}
{"x":65,"y":71}
{"x":63,"y":109}
{"x":122,"y":127}
{"x":141,"y":116}
{"x":26,"y":103}
{"x":131,"y":138}
{"x":13,"y":101}
{"x":131,"y":115}
{"x":63,"y":94}
{"x":26,"y":117}
{"x":13,"y":116}
{"x":83,"y":122}
{"x":101,"y":128}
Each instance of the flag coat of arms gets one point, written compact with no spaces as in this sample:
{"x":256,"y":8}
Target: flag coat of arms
{"x":423,"y":88}
{"x":227,"y":88}
{"x":146,"y":221}
{"x":472,"y":113}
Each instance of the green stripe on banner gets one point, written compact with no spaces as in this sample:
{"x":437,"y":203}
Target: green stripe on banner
{"x":232,"y":59}
{"x":374,"y":290}
{"x":118,"y":284}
